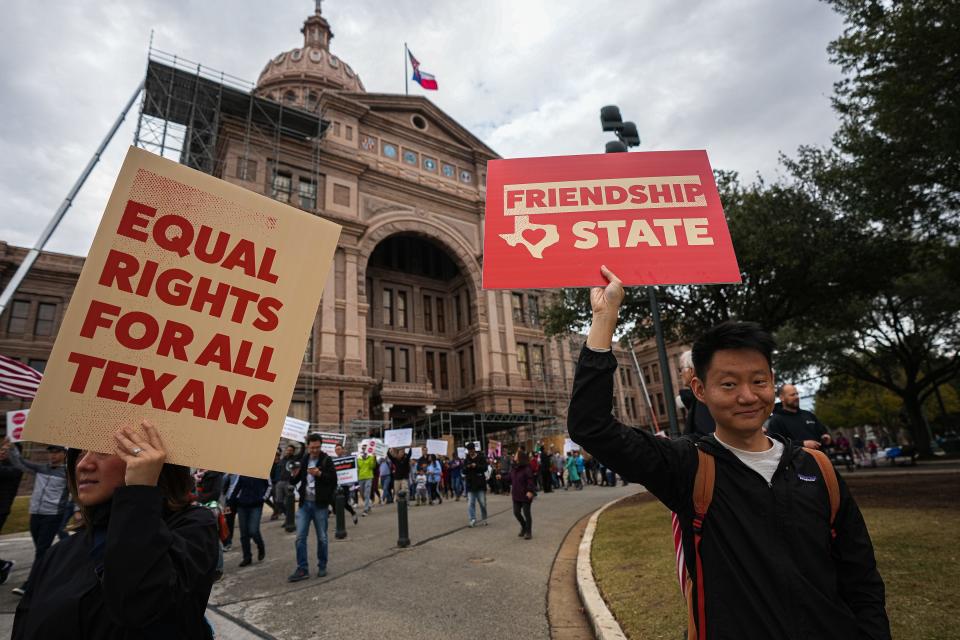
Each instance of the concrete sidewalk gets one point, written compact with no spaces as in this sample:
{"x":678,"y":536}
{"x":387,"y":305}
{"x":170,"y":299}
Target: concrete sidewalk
{"x":451,"y":579}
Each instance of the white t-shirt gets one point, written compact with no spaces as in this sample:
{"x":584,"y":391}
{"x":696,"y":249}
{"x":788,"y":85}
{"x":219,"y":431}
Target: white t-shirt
{"x":763,"y":462}
{"x":311,"y":481}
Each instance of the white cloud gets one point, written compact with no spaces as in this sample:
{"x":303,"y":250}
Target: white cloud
{"x":744,"y":79}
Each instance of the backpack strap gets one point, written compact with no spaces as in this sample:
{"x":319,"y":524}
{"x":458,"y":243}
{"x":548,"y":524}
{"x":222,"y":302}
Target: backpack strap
{"x":833,"y":486}
{"x":702,"y":496}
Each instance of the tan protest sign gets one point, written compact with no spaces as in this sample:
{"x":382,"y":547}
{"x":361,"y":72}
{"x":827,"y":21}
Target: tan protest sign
{"x":193,"y":311}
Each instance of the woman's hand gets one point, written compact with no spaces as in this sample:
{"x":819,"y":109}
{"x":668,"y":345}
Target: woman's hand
{"x":530,"y":495}
{"x":142,"y":452}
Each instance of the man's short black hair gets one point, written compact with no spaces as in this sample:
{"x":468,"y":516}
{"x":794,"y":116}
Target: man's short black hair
{"x":730,"y":335}
{"x":314,"y":437}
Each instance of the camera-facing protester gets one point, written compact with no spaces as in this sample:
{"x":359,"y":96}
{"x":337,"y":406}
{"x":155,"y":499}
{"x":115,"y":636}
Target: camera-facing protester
{"x":774,"y":544}
{"x":143,"y":563}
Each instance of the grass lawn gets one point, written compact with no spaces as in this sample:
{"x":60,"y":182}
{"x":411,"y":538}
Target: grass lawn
{"x":917,"y":554}
{"x":19,"y":518}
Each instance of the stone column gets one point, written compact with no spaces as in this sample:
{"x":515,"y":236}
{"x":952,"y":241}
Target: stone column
{"x":352,"y":365}
{"x":493,"y":353}
{"x":511,"y":347}
{"x":327,"y":359}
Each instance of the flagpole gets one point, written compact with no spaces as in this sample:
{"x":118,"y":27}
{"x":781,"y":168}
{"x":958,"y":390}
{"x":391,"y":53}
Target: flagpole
{"x":406,"y":79}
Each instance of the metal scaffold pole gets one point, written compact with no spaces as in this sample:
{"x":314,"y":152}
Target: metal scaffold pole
{"x":32,"y":255}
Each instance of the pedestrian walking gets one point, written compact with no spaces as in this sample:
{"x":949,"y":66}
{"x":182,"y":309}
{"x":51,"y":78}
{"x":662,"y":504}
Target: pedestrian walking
{"x":546,"y":474}
{"x":365,"y":470}
{"x":316,"y":480}
{"x":434,"y":474}
{"x":522,"y":490}
{"x":248,"y":498}
{"x":386,"y":479}
{"x":573,"y":474}
{"x":401,"y":469}
{"x":474,"y":472}
{"x":48,"y":502}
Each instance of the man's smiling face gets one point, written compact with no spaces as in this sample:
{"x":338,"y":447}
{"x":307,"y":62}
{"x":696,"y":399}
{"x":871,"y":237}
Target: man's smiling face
{"x":738,"y":390}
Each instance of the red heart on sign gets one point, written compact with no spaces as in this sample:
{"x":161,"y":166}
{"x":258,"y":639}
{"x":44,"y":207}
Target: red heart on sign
{"x":538,"y":235}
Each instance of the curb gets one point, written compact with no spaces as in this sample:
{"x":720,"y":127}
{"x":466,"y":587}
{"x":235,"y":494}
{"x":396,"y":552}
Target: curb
{"x":605,"y":626}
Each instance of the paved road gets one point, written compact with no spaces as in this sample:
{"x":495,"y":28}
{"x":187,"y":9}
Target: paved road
{"x":451,"y":578}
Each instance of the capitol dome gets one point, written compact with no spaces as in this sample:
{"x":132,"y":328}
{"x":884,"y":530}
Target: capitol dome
{"x":298,"y":76}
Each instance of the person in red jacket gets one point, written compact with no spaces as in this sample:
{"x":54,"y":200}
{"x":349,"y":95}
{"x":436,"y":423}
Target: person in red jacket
{"x":772,"y":563}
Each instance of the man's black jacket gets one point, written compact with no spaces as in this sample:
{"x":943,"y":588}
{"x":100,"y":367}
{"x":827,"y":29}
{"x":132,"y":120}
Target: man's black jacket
{"x":324,"y":484}
{"x":797,"y":425}
{"x":770,"y":567}
{"x":474,"y":470}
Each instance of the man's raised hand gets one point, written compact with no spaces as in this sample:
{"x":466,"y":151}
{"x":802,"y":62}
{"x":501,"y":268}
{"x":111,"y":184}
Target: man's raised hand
{"x":606,"y":300}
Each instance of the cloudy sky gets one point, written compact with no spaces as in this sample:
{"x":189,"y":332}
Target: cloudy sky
{"x":744,"y":79}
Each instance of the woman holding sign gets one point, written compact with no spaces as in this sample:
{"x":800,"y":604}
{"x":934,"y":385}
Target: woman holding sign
{"x":143,"y":564}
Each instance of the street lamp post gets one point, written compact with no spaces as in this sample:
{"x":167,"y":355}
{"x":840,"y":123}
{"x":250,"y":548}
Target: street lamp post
{"x":627,"y":136}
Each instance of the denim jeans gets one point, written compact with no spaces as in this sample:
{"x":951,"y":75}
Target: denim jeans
{"x":386,"y":487}
{"x":473,"y":497}
{"x":457,"y":481}
{"x":365,"y":487}
{"x":249,"y":518}
{"x":308,"y":513}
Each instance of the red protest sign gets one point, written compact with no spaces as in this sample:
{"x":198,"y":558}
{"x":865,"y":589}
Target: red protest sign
{"x":652,"y":218}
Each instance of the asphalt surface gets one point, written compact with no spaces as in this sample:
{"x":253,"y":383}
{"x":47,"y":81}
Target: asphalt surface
{"x":452,"y":579}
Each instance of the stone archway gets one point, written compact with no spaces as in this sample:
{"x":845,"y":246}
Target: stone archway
{"x":444,"y":236}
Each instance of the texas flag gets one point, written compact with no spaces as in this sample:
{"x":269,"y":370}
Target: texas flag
{"x":426,"y":80}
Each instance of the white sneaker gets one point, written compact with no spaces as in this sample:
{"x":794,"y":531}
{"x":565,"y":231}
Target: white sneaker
{"x":473,"y":523}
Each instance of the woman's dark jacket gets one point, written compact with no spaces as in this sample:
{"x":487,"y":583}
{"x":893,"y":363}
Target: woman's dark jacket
{"x":324,"y":486}
{"x":771,"y":568}
{"x":522,"y":481}
{"x":151,"y":579}
{"x":473,"y":472}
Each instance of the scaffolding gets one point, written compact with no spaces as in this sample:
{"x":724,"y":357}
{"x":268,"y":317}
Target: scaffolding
{"x":186,"y":107}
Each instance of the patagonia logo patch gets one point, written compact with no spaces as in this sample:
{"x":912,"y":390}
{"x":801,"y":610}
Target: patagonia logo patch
{"x":807,"y":478}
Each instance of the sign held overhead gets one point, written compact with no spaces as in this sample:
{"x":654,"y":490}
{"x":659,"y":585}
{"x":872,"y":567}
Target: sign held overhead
{"x":652,"y":218}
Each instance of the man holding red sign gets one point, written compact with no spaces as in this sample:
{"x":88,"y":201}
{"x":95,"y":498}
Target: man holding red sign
{"x":775,"y":545}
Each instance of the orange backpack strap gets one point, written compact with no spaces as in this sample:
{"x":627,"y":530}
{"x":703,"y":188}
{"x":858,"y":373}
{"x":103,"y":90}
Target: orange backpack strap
{"x":703,"y":486}
{"x":702,"y":496}
{"x":833,"y":486}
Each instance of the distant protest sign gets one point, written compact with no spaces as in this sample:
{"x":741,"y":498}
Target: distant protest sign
{"x":569,"y":445}
{"x":437,"y":447}
{"x":461,"y":452}
{"x":295,"y":429}
{"x":191,"y":311}
{"x":329,"y":442}
{"x":346,"y":468}
{"x":15,"y":422}
{"x":416,"y":453}
{"x":652,"y":218}
{"x":398,"y":438}
{"x":375,"y":447}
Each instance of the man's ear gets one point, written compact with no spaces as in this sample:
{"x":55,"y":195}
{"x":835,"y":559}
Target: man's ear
{"x":697,"y":387}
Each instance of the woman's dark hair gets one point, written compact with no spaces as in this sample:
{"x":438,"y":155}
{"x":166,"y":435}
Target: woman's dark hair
{"x":730,"y":335}
{"x":522,"y":457}
{"x":176,"y":484}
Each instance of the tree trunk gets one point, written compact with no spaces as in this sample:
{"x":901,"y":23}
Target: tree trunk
{"x":917,"y":424}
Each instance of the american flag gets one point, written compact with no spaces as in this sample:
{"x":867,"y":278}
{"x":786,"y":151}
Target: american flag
{"x":17,"y":379}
